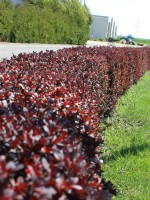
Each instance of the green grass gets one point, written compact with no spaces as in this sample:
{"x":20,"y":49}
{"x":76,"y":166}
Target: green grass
{"x":142,"y":41}
{"x":127,"y":144}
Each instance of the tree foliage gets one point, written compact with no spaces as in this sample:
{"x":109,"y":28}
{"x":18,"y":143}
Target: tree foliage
{"x":44,"y":21}
{"x":6,"y":19}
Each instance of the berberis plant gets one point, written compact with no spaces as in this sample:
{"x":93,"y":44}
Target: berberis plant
{"x":51,"y":104}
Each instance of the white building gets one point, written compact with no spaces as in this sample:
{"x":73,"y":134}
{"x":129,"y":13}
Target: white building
{"x":103,"y":27}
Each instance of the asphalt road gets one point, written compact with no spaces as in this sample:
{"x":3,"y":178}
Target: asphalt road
{"x":8,"y":49}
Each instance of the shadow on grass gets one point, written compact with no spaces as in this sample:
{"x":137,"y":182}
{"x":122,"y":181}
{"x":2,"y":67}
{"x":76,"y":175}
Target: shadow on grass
{"x":134,"y":150}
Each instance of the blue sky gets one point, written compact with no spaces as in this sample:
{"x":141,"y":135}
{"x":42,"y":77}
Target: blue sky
{"x":132,"y":16}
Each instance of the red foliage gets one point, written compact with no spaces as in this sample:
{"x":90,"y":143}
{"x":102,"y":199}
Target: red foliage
{"x":51,"y":104}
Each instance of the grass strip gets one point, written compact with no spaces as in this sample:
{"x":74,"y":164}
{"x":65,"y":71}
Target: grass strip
{"x":127,"y":144}
{"x":142,"y":41}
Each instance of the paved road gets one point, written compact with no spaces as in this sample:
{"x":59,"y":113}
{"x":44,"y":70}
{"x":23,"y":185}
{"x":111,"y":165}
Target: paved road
{"x":8,"y":49}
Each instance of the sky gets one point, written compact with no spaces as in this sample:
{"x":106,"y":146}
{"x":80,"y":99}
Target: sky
{"x":131,"y":16}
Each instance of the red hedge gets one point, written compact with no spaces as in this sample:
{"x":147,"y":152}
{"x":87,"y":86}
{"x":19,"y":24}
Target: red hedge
{"x":51,"y":104}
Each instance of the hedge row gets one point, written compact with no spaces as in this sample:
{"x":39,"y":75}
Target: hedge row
{"x":51,"y":104}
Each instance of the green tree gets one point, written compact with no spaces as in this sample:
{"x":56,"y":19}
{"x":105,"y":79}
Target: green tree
{"x":6,"y":19}
{"x":25,"y":24}
{"x":45,"y":21}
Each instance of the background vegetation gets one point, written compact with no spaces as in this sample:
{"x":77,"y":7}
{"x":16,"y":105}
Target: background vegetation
{"x":44,"y":21}
{"x":142,"y":41}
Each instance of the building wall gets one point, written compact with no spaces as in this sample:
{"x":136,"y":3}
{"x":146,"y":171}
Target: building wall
{"x":110,"y":27}
{"x":103,"y":27}
{"x":99,"y":27}
{"x":115,"y":36}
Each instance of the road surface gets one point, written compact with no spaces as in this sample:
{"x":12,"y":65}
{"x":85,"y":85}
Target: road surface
{"x":8,"y":49}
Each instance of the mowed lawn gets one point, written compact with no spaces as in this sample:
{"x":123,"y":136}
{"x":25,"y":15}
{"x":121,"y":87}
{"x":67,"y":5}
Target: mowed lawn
{"x":143,"y":41}
{"x":127,"y":144}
